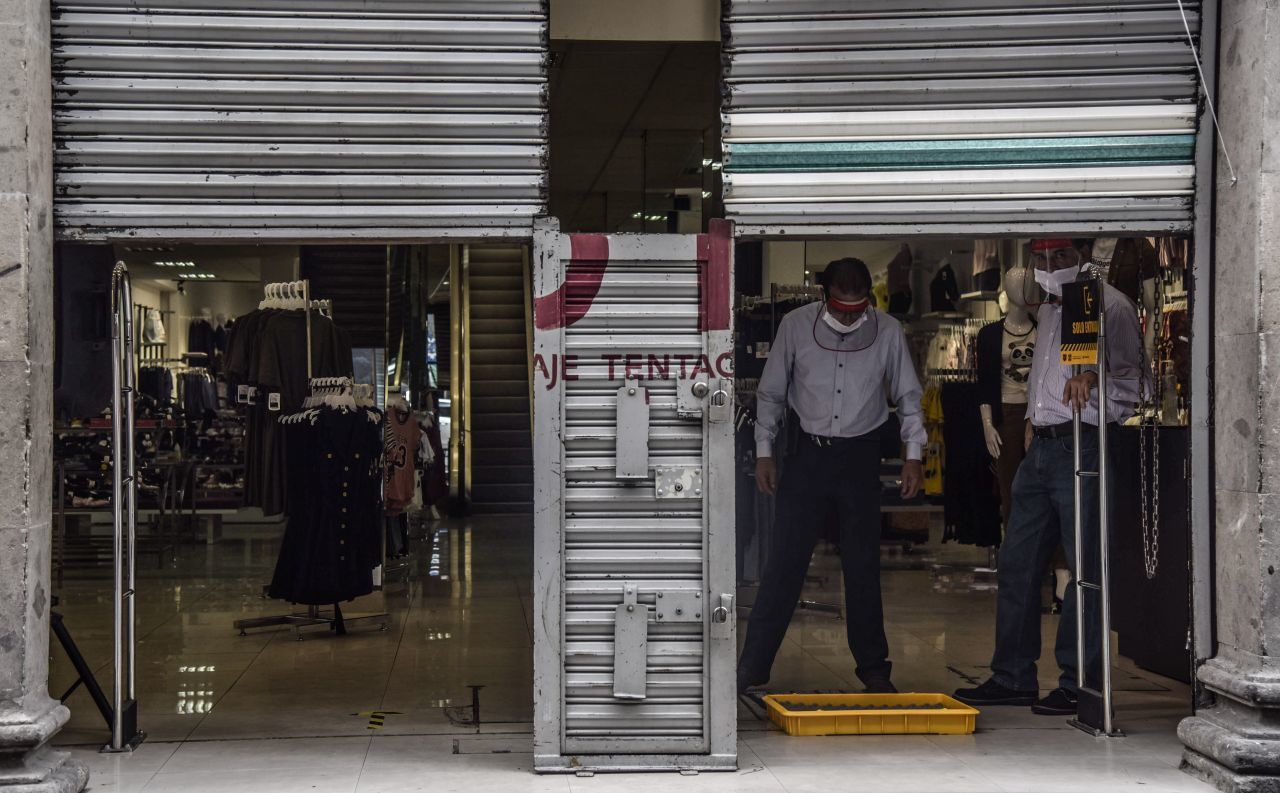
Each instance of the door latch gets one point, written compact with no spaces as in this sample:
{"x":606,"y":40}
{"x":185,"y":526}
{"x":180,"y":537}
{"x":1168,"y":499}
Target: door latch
{"x":630,"y":646}
{"x":720,"y":407}
{"x":722,"y":617}
{"x":632,"y":447}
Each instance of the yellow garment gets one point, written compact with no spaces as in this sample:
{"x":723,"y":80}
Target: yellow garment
{"x":931,"y":405}
{"x":934,"y":449}
{"x":880,"y":293}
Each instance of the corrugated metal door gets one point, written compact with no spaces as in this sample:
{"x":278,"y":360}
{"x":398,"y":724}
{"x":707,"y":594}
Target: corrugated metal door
{"x":633,"y":501}
{"x":959,"y":116}
{"x":277,"y":119}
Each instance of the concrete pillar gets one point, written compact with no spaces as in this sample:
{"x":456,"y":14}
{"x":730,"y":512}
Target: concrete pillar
{"x":1235,"y":743}
{"x":28,"y":716}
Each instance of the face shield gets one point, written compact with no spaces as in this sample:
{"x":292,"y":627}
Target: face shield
{"x":1056,"y":263}
{"x":844,"y":307}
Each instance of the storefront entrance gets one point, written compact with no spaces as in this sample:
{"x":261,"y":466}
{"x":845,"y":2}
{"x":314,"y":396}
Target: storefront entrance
{"x":453,"y":152}
{"x":446,"y":596}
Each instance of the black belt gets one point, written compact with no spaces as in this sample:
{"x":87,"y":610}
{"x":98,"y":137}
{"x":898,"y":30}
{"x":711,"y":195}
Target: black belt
{"x":1064,"y":430}
{"x":823,"y":441}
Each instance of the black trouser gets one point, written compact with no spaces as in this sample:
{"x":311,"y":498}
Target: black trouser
{"x":844,"y":479}
{"x":397,"y":527}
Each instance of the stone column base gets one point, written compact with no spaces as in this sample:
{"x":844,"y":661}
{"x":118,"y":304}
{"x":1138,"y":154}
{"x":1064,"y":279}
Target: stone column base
{"x":1224,"y":778}
{"x":44,"y":771}
{"x":1235,"y":744}
{"x":27,"y":763}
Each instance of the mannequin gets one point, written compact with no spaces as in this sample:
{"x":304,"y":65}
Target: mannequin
{"x":1005,"y":350}
{"x":396,"y":400}
{"x":986,"y":265}
{"x":401,"y":437}
{"x":1104,"y":251}
{"x":1132,"y":265}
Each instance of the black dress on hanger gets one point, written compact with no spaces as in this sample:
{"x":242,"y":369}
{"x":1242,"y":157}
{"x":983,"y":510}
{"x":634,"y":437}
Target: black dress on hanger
{"x":944,"y":290}
{"x":333,"y":539}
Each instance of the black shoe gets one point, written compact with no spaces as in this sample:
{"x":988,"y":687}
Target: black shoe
{"x":749,"y":685}
{"x":1059,"y":702}
{"x":992,"y":693}
{"x":880,"y":685}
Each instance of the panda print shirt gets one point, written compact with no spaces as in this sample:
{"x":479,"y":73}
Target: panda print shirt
{"x":1017,"y":350}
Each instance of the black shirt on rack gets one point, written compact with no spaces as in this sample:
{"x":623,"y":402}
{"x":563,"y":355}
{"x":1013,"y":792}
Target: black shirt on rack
{"x":200,"y":339}
{"x":268,"y":350}
{"x":971,"y":503}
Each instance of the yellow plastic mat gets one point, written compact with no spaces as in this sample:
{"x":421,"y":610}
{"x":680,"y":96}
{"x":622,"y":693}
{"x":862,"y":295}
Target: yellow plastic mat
{"x":870,"y":714}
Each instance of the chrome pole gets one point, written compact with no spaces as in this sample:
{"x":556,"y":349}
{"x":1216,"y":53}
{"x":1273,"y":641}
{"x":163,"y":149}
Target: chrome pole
{"x":1077,"y":492}
{"x":124,"y":503}
{"x":1104,"y":529}
{"x":306,"y":317}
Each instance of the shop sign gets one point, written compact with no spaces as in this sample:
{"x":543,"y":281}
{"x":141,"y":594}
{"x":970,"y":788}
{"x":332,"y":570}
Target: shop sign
{"x":1080,"y":302}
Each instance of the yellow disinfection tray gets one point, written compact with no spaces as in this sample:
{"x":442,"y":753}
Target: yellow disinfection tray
{"x":870,"y":714}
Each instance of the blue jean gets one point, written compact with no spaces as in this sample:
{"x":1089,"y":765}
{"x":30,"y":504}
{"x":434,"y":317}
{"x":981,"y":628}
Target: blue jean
{"x":1043,"y":518}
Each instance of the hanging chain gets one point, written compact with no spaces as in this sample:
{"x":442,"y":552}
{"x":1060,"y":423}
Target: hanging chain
{"x":1149,"y":427}
{"x":1153,"y":562}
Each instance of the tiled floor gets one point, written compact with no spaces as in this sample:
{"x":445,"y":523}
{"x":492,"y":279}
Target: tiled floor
{"x":266,"y":712}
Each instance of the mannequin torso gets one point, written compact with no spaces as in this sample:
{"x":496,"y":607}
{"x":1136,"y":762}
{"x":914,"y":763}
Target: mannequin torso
{"x":1008,"y":348}
{"x":1017,"y":351}
{"x":1006,"y":381}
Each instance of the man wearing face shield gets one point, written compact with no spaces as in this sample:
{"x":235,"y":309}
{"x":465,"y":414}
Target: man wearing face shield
{"x":1043,"y":509}
{"x":833,"y":363}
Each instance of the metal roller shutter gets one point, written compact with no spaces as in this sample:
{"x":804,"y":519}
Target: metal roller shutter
{"x":959,"y":116}
{"x":274,"y":119}
{"x":634,"y":312}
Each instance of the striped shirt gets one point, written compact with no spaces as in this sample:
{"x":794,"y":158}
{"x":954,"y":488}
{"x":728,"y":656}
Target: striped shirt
{"x":1049,"y":376}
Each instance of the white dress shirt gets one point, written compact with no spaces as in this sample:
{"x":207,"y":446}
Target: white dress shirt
{"x":837,"y":382}
{"x":1049,"y":376}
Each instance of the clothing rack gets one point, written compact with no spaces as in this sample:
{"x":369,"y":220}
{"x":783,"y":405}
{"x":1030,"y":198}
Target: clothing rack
{"x":781,"y":292}
{"x":967,"y":374}
{"x":288,"y":294}
{"x":791,"y":291}
{"x":947,"y":352}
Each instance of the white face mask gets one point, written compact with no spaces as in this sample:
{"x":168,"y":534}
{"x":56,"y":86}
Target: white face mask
{"x":1052,"y":282}
{"x":840,"y":327}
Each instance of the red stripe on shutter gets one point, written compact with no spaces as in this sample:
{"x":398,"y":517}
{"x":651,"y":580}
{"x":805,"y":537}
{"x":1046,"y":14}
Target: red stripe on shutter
{"x":713,"y":276}
{"x":588,"y":260}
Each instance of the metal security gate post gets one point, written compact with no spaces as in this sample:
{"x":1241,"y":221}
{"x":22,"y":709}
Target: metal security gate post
{"x":125,"y":736}
{"x":1095,"y":713}
{"x":548,"y":516}
{"x":635,"y":638}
